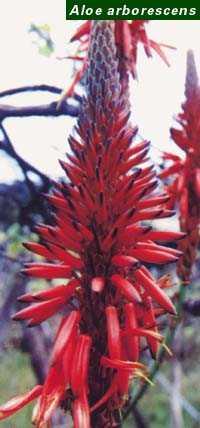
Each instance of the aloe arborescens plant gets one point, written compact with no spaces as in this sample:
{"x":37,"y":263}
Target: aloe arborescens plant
{"x":183,"y":172}
{"x":100,"y":244}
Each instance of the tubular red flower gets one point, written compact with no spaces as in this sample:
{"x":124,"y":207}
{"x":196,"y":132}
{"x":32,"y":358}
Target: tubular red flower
{"x":47,"y":270}
{"x":162,"y":236}
{"x":65,"y":334}
{"x":113,"y":330}
{"x":52,"y":393}
{"x":120,"y":364}
{"x":150,"y":322}
{"x":154,"y":256}
{"x":65,"y":257}
{"x":39,"y":249}
{"x":146,"y":333}
{"x":126,"y":288}
{"x":131,"y":340}
{"x":154,"y":291}
{"x":79,"y":370}
{"x":40,"y":311}
{"x":81,"y":414}
{"x":17,"y":403}
{"x":116,"y":351}
{"x":124,"y":261}
{"x":61,"y":291}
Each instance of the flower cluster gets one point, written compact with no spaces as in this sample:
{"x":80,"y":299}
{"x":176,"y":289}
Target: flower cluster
{"x":184,"y":188}
{"x":128,"y":35}
{"x":100,"y":244}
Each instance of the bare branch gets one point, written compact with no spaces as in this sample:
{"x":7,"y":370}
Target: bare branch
{"x":45,"y":110}
{"x":31,"y":88}
{"x":21,"y":200}
{"x":7,"y":146}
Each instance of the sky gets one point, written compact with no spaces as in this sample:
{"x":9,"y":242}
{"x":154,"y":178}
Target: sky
{"x":155,"y":97}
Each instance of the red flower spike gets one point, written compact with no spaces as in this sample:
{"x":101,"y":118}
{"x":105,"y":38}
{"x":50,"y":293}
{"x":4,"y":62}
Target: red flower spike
{"x":17,"y":403}
{"x":98,"y":218}
{"x":183,"y":175}
{"x":79,"y":370}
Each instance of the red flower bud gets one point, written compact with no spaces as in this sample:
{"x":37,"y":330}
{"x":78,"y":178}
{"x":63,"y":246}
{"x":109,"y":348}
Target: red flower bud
{"x":126,"y":288}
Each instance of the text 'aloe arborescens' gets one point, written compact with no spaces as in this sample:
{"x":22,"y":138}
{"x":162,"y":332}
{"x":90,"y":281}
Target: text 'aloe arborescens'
{"x":100,"y":244}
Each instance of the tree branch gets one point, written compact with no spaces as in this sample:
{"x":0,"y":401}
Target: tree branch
{"x":22,"y":199}
{"x":45,"y":110}
{"x":7,"y":146}
{"x":31,"y":88}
